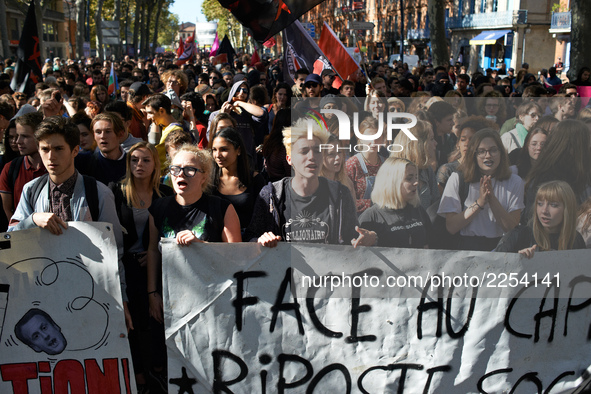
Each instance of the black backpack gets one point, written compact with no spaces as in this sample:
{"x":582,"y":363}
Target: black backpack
{"x":90,"y":188}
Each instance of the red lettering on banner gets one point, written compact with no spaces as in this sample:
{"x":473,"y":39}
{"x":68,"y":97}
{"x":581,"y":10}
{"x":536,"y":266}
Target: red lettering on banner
{"x":19,"y":374}
{"x":99,"y":382}
{"x":69,"y":376}
{"x":69,"y":373}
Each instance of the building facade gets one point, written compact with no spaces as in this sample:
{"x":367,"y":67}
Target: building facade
{"x":56,"y":42}
{"x":481,"y":33}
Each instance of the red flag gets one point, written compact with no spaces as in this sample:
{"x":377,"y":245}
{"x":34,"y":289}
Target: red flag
{"x":336,"y":52}
{"x":220,"y":59}
{"x":181,"y":48}
{"x":270,"y":43}
{"x":188,"y":50}
{"x":255,"y":58}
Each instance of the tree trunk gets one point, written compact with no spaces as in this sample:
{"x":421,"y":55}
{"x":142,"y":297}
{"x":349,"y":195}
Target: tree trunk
{"x":580,"y":36}
{"x":439,"y":48}
{"x":136,"y":26}
{"x":80,"y":27}
{"x":146,"y":41}
{"x":98,"y":17}
{"x":4,"y":31}
{"x":143,"y":30}
{"x":117,"y":17}
{"x":156,"y":23}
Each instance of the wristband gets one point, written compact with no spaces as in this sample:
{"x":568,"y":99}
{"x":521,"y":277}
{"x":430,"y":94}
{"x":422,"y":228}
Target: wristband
{"x":478,"y":205}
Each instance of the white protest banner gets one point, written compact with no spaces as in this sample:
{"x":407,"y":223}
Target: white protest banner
{"x":233,"y":326}
{"x":62,"y":327}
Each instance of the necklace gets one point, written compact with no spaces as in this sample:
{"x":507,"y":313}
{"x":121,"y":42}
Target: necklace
{"x":142,"y":203}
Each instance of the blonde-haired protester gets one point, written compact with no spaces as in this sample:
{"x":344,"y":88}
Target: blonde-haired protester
{"x":133,"y":196}
{"x":396,"y":215}
{"x":363,"y":167}
{"x":333,"y":165}
{"x":190,"y":216}
{"x":486,"y":202}
{"x":552,"y":227}
{"x":306,"y":207}
{"x":422,"y":153}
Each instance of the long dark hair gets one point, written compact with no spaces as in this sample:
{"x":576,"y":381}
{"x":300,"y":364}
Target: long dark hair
{"x":565,"y":156}
{"x":235,"y":138}
{"x":9,"y":154}
{"x":274,"y":140}
{"x":469,"y":166}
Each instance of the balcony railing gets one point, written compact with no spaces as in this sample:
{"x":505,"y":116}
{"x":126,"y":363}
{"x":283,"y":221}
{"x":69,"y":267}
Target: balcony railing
{"x":55,"y":15}
{"x":490,"y":19}
{"x":561,"y":21}
{"x":418,"y":34}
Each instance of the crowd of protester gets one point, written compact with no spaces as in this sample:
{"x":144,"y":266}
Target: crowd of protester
{"x":205,"y":153}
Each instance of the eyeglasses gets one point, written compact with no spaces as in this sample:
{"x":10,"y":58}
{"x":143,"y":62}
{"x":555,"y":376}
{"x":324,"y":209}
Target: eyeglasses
{"x":311,"y":85}
{"x":243,"y":90}
{"x":189,"y":172}
{"x":492,"y":151}
{"x":172,"y":82}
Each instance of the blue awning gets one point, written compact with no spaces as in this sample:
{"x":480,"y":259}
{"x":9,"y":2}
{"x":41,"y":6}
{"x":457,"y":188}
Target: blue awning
{"x":488,"y":37}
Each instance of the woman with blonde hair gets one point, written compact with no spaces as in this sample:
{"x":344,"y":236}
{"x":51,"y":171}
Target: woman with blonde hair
{"x":363,"y":166}
{"x":396,"y":215}
{"x":133,"y":196}
{"x":483,"y":199}
{"x":191,"y":215}
{"x":422,"y":153}
{"x":333,"y":165}
{"x":553,"y":225}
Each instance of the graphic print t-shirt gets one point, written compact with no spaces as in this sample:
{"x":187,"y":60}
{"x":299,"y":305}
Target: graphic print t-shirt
{"x":307,"y":218}
{"x":408,"y":227}
{"x":205,"y":218}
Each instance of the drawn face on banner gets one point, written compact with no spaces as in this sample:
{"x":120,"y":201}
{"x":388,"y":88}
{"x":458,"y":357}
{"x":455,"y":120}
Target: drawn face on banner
{"x":38,"y":331}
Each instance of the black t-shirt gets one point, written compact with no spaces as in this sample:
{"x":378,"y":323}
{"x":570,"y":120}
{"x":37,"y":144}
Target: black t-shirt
{"x":204,"y":217}
{"x":408,"y":227}
{"x":307,"y":218}
{"x":523,"y":237}
{"x":244,"y":202}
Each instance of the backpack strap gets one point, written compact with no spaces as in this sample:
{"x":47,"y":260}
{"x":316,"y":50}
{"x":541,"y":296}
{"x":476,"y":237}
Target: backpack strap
{"x":37,"y":187}
{"x":515,"y":140}
{"x":13,"y":170}
{"x":361,"y":161}
{"x":91,"y":190}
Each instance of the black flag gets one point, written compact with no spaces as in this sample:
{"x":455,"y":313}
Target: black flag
{"x":28,"y":53}
{"x":265,"y":18}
